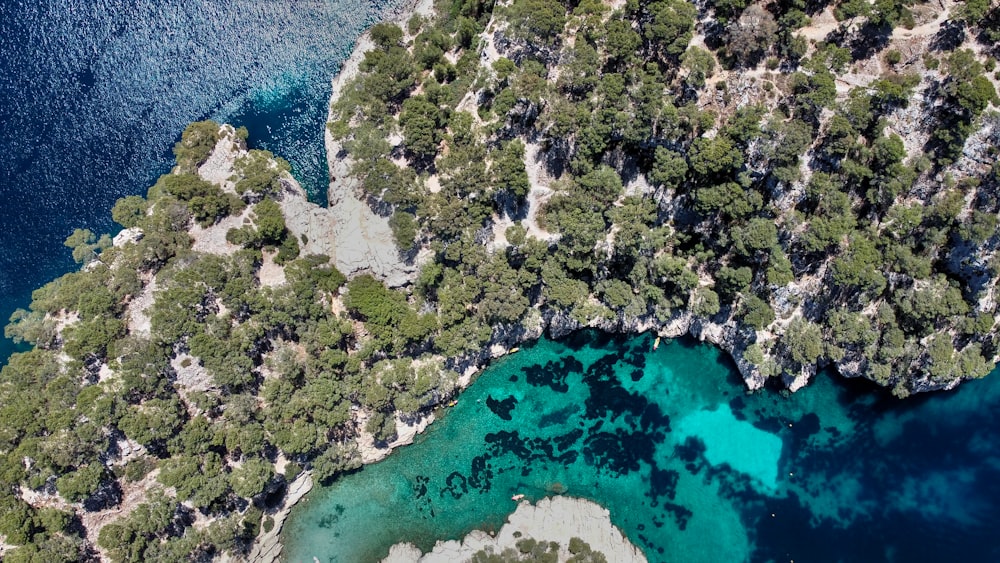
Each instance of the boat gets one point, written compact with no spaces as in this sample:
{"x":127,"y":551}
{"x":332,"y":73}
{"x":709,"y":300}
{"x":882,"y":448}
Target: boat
{"x":452,"y":403}
{"x":656,"y":343}
{"x":514,"y":350}
{"x":517,"y":497}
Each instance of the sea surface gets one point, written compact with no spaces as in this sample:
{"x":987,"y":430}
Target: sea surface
{"x":691,"y":467}
{"x":94,"y":93}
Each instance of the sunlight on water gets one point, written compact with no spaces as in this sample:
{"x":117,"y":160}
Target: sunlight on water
{"x":734,"y":442}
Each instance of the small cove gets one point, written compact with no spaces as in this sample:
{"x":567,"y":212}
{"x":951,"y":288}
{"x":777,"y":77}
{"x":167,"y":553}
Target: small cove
{"x":690,"y":466}
{"x":93,"y":95}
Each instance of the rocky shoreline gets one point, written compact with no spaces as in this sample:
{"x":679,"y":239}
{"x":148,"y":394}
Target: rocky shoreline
{"x":267,"y":548}
{"x":553,"y":519}
{"x":364,"y":244}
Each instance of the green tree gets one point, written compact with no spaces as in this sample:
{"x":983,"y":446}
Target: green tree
{"x":603,"y":184}
{"x":699,"y":64}
{"x":669,"y":168}
{"x":705,"y":302}
{"x":207,"y":201}
{"x":670,"y":26}
{"x":251,"y":477}
{"x":259,"y":174}
{"x":714,"y":158}
{"x":759,"y":234}
{"x":537,"y":20}
{"x":386,"y":35}
{"x":86,"y":246}
{"x":421,"y":125}
{"x":755,"y":311}
{"x":335,"y":461}
{"x":803,"y":340}
{"x":509,"y":172}
{"x":196,"y":144}
{"x":860,"y":266}
{"x":270,"y":222}
{"x":731,"y":281}
{"x":82,"y":483}
{"x":581,"y":70}
{"x":404,"y":229}
{"x":129,"y":211}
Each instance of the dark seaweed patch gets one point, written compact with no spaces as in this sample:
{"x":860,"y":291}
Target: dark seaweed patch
{"x":560,"y":416}
{"x":636,"y":357}
{"x":501,"y":408}
{"x":508,"y":442}
{"x":608,"y":398}
{"x":480,"y":475}
{"x":601,"y":370}
{"x":331,"y":518}
{"x":771,"y":424}
{"x":457,"y":485}
{"x":805,"y":426}
{"x":692,"y":453}
{"x":737,"y":404}
{"x":566,"y":441}
{"x":680,"y":513}
{"x":620,"y":452}
{"x":663,"y":483}
{"x":420,"y":485}
{"x":654,"y":419}
{"x":553,"y":374}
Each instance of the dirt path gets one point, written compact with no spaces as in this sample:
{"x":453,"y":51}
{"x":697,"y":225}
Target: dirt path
{"x":539,"y":193}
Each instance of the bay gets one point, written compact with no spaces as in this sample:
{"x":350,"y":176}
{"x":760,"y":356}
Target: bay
{"x":690,"y":466}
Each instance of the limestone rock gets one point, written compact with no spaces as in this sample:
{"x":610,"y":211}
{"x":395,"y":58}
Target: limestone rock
{"x":554,"y":519}
{"x":128,"y":236}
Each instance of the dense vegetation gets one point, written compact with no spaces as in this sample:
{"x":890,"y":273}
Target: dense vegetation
{"x":195,"y":411}
{"x":786,"y":207}
{"x":817,"y":213}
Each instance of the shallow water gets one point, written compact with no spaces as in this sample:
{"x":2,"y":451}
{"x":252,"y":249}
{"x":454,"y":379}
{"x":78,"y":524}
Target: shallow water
{"x":690,"y":466}
{"x":94,"y":93}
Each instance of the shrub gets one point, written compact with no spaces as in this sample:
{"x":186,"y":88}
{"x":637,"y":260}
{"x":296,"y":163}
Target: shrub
{"x":196,"y":144}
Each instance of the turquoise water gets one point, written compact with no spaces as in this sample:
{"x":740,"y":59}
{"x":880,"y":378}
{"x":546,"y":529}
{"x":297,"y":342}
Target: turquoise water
{"x":690,"y":466}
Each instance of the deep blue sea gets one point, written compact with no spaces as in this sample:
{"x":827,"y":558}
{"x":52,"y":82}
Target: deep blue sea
{"x":691,"y":467}
{"x":93,"y":94}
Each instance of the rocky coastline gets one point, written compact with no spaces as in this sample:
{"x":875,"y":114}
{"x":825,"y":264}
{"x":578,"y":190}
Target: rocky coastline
{"x":553,"y":519}
{"x":267,"y":548}
{"x":723,"y":329}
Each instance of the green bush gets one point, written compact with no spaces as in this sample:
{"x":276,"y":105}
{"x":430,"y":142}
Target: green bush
{"x":196,"y":144}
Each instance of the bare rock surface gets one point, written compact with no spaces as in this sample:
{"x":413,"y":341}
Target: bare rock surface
{"x":554,"y":519}
{"x":267,"y":548}
{"x":363,"y":241}
{"x":406,"y":431}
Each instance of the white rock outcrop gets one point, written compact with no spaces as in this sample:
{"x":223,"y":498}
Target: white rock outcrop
{"x":555,"y":519}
